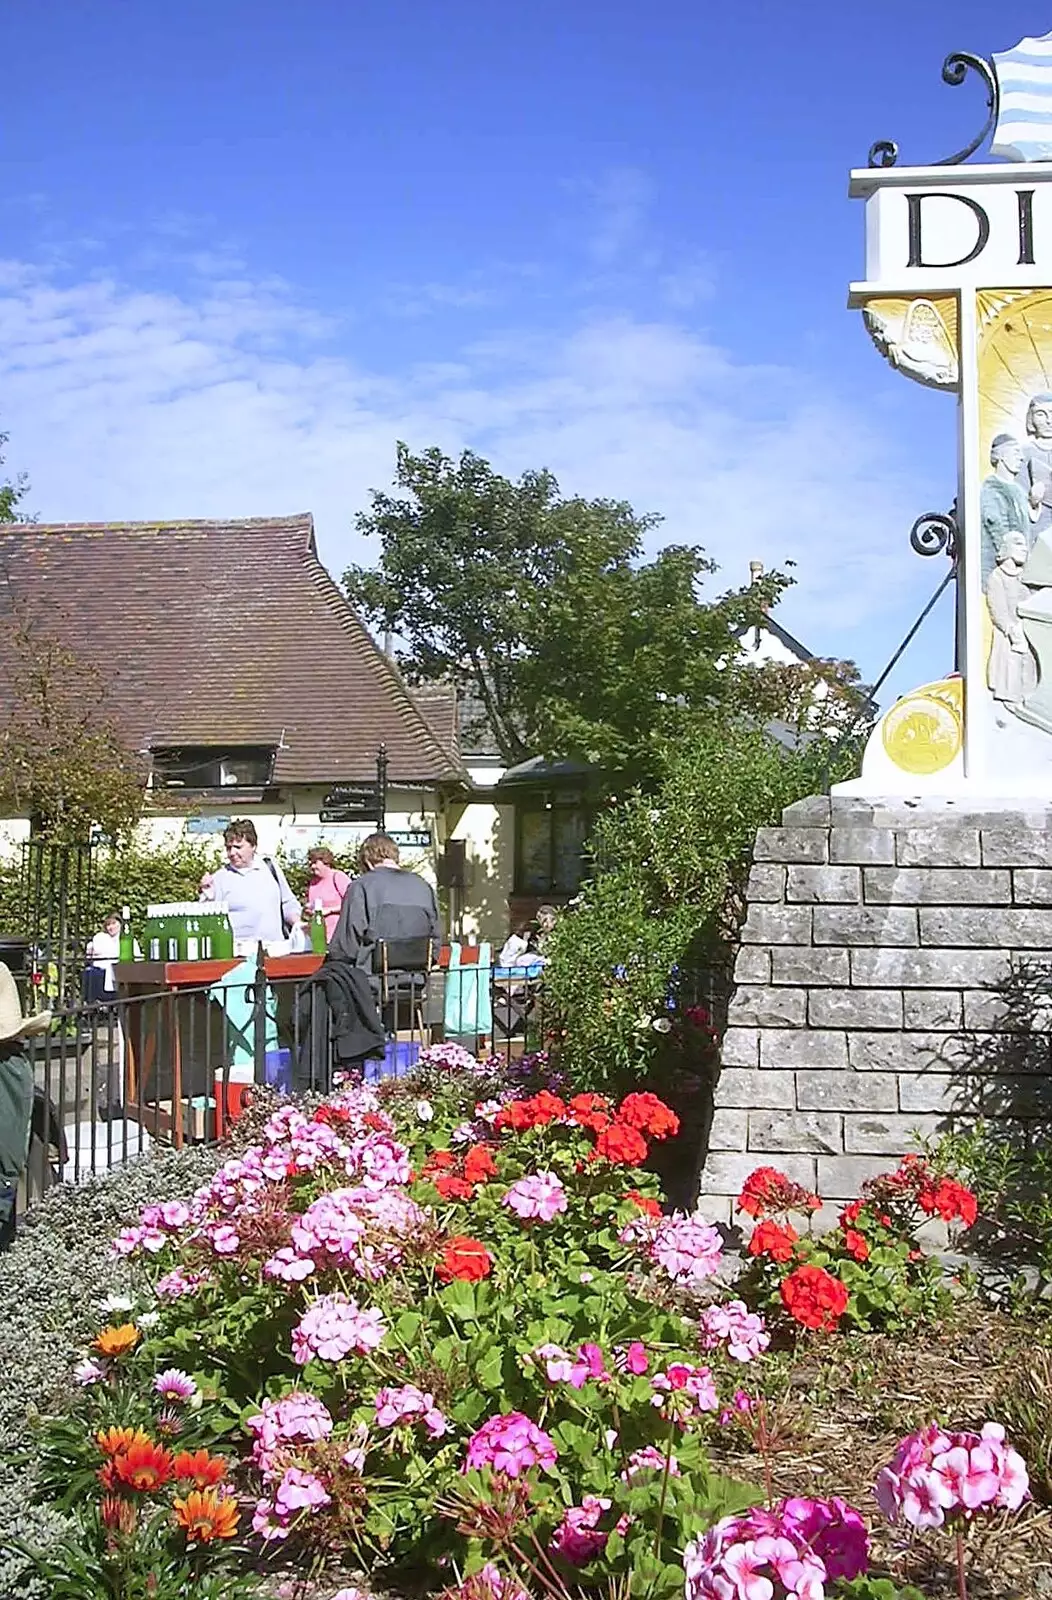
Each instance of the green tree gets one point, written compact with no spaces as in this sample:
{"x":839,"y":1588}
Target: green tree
{"x":546,"y":610}
{"x":64,"y":761}
{"x":12,"y":491}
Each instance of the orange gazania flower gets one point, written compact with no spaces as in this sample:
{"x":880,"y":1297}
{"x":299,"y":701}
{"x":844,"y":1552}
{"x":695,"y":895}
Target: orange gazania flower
{"x":118,"y":1514}
{"x":198,"y":1465}
{"x":206,"y":1515}
{"x":115,"y":1441}
{"x":144,"y":1466}
{"x":117,"y":1341}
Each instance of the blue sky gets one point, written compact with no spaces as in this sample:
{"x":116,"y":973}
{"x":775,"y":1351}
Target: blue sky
{"x":248,"y":245}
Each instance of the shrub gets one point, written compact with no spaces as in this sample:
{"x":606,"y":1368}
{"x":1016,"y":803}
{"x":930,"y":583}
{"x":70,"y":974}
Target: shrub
{"x":665,"y":903}
{"x":52,"y":1280}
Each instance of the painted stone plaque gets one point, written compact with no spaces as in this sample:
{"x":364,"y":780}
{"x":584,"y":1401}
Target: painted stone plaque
{"x":958,"y":296}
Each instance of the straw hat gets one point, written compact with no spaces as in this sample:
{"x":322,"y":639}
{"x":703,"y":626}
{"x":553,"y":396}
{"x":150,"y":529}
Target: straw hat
{"x":13,"y":1025}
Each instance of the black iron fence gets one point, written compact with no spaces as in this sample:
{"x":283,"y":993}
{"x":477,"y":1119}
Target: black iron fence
{"x":176,"y":1066}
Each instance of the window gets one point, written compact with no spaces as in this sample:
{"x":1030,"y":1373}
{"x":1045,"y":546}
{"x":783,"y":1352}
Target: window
{"x":550,"y":838}
{"x":205,"y":767}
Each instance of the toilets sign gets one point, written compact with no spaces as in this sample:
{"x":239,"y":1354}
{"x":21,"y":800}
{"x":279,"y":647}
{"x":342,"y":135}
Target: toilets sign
{"x":958,"y":296}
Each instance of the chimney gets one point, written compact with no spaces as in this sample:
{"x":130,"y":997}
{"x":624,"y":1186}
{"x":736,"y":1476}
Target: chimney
{"x":755,"y":571}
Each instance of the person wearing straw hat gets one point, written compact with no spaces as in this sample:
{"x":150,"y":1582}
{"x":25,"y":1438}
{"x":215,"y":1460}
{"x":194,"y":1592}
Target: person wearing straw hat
{"x":16,"y":1095}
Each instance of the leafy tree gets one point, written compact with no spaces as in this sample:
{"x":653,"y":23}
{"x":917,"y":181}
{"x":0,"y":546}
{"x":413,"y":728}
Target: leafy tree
{"x":545,"y":610}
{"x":12,"y":492}
{"x":63,"y":759}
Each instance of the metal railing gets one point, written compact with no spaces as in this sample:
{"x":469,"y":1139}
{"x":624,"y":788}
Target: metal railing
{"x":116,"y":1078}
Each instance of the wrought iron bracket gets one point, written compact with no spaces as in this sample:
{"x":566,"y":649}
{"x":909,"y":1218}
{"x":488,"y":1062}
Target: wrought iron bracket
{"x":955,"y":69}
{"x":936,"y":533}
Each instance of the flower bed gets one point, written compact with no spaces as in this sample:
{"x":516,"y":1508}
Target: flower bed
{"x":454,"y":1338}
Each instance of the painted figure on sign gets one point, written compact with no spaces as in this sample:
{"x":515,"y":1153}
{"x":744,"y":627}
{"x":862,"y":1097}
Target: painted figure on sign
{"x":1036,"y":477}
{"x":1012,"y":671}
{"x":1004,"y":507}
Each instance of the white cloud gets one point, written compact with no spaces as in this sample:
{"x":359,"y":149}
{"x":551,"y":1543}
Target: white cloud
{"x":234,"y":399}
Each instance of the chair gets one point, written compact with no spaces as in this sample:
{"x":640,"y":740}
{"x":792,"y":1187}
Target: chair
{"x":403,"y":967}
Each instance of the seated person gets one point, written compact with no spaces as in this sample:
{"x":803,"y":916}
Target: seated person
{"x":384,"y":904}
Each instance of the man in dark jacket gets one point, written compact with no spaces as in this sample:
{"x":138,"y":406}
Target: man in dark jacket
{"x":384,"y":904}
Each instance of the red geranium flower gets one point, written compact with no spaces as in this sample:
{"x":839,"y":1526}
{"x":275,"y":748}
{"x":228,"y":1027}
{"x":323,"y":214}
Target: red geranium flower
{"x":649,"y":1206}
{"x":856,"y":1245}
{"x":850,"y":1214}
{"x":814,"y":1298}
{"x":621,"y":1145}
{"x":591,"y":1111}
{"x":452,"y":1188}
{"x":951,"y":1200}
{"x":768,"y":1239}
{"x":479,"y":1164}
{"x":647,"y":1114}
{"x":768,"y":1190}
{"x":439,"y":1161}
{"x":464,"y":1258}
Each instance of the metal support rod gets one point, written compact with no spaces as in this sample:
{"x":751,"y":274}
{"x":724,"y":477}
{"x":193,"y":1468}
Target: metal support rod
{"x":381,"y":785}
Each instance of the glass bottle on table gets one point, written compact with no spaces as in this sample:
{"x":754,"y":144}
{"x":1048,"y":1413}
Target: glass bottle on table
{"x":127,"y":941}
{"x":319,"y":937}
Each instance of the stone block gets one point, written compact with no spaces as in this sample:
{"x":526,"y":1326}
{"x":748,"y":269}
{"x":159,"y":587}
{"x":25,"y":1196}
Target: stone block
{"x":944,"y":845}
{"x":752,"y":964}
{"x":811,"y":812}
{"x":791,"y":844}
{"x":791,"y":964}
{"x":755,"y":1007}
{"x":937,"y":886}
{"x":861,"y":846}
{"x":777,"y":925}
{"x":748,"y":1089}
{"x":906,"y":1052}
{"x":802,"y":1047}
{"x":935,"y":1009}
{"x":816,"y":1132}
{"x":1017,"y":846}
{"x":1018,"y":1097}
{"x":931,"y":1091}
{"x":987,"y":1010}
{"x":766,"y":882}
{"x":740,"y":1048}
{"x":869,"y":1133}
{"x":854,"y":1008}
{"x":841,"y":1177}
{"x":847,"y":1091}
{"x":972,"y":926}
{"x":1032,"y":886}
{"x":729,"y":1131}
{"x":928,"y":969}
{"x":824,"y":885}
{"x":725,"y":1173}
{"x":862,"y":925}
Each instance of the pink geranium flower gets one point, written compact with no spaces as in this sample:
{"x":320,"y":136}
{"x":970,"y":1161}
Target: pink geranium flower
{"x":333,"y":1327}
{"x":540,"y":1196}
{"x":510,"y":1443}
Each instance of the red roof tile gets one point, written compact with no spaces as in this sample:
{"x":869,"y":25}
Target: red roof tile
{"x":228,"y":632}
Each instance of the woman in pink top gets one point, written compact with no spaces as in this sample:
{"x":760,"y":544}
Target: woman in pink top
{"x":326,"y":888}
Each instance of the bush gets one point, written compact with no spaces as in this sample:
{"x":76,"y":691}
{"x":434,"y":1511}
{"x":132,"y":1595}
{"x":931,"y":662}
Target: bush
{"x":51,"y":1282}
{"x":665,"y":905}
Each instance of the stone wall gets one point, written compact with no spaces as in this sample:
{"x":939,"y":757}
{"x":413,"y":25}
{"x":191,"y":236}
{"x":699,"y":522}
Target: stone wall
{"x":873,"y":988}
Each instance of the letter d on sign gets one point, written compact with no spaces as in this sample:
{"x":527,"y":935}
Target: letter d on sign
{"x":916,"y":258}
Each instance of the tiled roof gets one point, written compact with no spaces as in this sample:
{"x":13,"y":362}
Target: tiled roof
{"x":227,"y":633}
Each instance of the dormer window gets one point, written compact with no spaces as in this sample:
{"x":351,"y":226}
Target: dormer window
{"x":226,"y":767}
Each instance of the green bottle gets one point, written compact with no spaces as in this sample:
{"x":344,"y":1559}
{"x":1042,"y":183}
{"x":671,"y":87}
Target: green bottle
{"x":127,"y":944}
{"x":319,"y":937}
{"x":223,"y":942}
{"x":193,"y":939}
{"x":152,"y":935}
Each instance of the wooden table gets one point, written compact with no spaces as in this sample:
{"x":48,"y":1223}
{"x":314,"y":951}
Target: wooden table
{"x":170,"y":1017}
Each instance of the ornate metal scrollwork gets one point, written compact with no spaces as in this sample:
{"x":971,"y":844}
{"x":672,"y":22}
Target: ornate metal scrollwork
{"x":936,"y":532}
{"x":955,"y":69}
